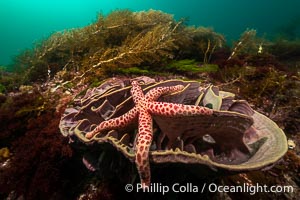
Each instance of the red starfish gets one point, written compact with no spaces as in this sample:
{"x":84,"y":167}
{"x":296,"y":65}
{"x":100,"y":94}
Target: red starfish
{"x":146,"y":106}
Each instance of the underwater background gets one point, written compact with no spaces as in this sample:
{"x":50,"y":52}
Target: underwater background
{"x":24,"y":23}
{"x":66,"y":67}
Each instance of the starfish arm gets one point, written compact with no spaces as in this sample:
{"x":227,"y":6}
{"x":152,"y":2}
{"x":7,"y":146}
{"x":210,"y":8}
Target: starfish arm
{"x":118,"y":122}
{"x":137,"y":93}
{"x":145,"y":136}
{"x":155,"y":93}
{"x":173,"y":109}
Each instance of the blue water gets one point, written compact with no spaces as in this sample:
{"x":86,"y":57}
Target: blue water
{"x":24,"y":22}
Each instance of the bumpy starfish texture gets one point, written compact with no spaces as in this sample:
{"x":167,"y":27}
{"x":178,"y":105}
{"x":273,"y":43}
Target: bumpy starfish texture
{"x":131,"y":115}
{"x":145,"y":106}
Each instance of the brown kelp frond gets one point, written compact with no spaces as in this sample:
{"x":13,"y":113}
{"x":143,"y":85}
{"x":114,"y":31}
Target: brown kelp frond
{"x":248,"y":43}
{"x":208,"y":41}
{"x":146,"y":46}
{"x":121,"y":39}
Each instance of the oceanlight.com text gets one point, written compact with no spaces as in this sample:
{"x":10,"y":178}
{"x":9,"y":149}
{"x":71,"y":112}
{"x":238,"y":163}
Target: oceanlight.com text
{"x":212,"y":187}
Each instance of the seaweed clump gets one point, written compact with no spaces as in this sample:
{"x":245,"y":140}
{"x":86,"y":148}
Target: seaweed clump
{"x":121,"y":42}
{"x":32,"y":150}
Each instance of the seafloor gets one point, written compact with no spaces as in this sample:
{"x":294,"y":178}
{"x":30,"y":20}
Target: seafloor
{"x":37,"y":162}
